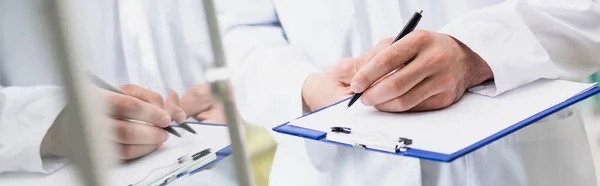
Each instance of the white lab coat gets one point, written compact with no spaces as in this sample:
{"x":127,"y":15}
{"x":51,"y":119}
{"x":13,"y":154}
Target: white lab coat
{"x":155,"y":44}
{"x":275,"y":44}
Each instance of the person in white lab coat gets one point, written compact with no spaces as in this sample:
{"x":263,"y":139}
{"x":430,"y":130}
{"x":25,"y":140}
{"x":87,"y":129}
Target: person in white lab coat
{"x":294,"y":56}
{"x":152,"y":46}
{"x":167,"y":47}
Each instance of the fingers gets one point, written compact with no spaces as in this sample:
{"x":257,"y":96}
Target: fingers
{"x":365,"y":58}
{"x":132,"y":133}
{"x":435,"y":102}
{"x":131,"y":108}
{"x":143,"y":94}
{"x":172,"y":107}
{"x":397,"y":83}
{"x":128,"y":152}
{"x":203,"y":116}
{"x":214,"y":114}
{"x":427,"y":95}
{"x":388,"y":60}
{"x":196,"y":100}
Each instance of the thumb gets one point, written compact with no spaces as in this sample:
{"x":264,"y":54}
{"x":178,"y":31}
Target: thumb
{"x":345,"y":70}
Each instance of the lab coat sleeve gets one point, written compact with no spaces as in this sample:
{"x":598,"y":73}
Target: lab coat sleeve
{"x":26,"y":113}
{"x":268,"y":72}
{"x":523,"y":41}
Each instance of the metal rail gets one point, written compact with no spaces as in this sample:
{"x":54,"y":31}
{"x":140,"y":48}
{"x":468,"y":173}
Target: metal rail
{"x":84,"y":130}
{"x":218,"y":76}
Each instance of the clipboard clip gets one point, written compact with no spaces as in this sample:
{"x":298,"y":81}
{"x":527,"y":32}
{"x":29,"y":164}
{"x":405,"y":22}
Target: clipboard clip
{"x":359,"y":146}
{"x":342,"y":135}
{"x":345,"y":130}
{"x":404,"y":143}
{"x":184,"y":165}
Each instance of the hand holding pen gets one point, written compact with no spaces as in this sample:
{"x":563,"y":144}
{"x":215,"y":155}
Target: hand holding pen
{"x":141,"y":118}
{"x":419,"y":71}
{"x":410,"y":26}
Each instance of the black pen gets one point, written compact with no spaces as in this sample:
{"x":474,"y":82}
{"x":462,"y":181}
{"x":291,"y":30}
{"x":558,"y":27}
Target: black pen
{"x":410,"y":26}
{"x":104,"y":85}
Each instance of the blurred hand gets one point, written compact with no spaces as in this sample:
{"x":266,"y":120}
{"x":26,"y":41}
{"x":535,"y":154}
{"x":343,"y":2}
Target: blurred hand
{"x":327,"y":87}
{"x":197,"y":102}
{"x":433,"y":71}
{"x":143,"y":105}
{"x":134,"y":139}
{"x":172,"y":107}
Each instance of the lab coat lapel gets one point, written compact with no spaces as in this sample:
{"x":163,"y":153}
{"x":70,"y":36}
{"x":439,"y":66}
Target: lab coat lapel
{"x":193,"y":44}
{"x":165,"y":29}
{"x":131,"y":50}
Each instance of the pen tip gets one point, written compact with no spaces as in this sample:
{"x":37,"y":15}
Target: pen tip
{"x":421,"y":11}
{"x":172,"y":131}
{"x":187,"y":128}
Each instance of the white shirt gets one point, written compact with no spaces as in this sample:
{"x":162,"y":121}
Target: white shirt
{"x":276,"y":44}
{"x":155,"y":44}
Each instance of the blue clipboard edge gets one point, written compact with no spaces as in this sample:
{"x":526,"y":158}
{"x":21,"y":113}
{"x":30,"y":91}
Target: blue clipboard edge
{"x":526,"y":122}
{"x":428,"y":155}
{"x":221,"y":154}
{"x":320,"y":136}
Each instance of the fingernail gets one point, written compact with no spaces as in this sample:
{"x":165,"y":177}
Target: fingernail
{"x":165,"y":120}
{"x":355,"y":87}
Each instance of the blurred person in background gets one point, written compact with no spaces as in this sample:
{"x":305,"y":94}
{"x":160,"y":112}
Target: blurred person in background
{"x":157,"y":50}
{"x":296,"y":56}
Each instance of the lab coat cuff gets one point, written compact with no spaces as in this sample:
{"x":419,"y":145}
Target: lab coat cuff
{"x":282,"y":70}
{"x":29,"y":125}
{"x":506,"y":44}
{"x":489,"y":54}
{"x":277,"y":76}
{"x":51,"y":108}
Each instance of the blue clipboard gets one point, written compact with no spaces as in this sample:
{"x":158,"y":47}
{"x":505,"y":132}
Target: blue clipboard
{"x":435,"y":156}
{"x":221,"y":154}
